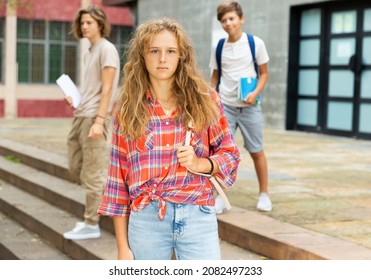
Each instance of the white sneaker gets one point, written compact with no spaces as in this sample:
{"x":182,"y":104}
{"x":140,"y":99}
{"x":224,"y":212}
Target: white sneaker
{"x":219,"y":205}
{"x":264,"y":203}
{"x":83,"y":231}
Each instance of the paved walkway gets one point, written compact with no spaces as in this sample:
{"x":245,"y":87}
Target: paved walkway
{"x":321,"y":183}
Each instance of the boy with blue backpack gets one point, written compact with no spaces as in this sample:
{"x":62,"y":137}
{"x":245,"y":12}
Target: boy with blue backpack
{"x":239,"y":73}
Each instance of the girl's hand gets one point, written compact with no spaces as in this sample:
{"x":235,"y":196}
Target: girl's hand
{"x":187,"y":157}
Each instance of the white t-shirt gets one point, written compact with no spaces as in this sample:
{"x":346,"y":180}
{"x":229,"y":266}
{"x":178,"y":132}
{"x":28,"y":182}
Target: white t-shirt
{"x":237,"y":62}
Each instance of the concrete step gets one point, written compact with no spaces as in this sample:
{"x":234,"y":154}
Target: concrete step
{"x":283,"y":241}
{"x":50,"y":222}
{"x":248,"y":230}
{"x":18,"y":243}
{"x":28,"y":230}
{"x":59,"y":192}
{"x":70,"y":198}
{"x":50,"y":163}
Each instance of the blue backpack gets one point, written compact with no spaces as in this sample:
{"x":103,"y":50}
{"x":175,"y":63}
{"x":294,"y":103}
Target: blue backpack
{"x":219,"y":48}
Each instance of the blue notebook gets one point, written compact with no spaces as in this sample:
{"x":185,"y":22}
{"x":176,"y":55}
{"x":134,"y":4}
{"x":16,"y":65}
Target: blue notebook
{"x":246,"y":86}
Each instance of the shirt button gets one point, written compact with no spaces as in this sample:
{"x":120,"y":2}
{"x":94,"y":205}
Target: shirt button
{"x":168,"y":145}
{"x":167,"y":123}
{"x":155,"y":185}
{"x":166,"y":167}
{"x":153,"y":191}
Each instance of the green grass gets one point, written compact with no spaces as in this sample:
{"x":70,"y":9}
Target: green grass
{"x":13,"y":158}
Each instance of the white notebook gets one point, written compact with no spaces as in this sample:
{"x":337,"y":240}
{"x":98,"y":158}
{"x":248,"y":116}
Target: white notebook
{"x":69,"y":89}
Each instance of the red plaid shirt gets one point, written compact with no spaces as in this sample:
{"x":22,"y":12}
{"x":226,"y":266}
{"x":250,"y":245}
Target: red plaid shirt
{"x":147,"y":169}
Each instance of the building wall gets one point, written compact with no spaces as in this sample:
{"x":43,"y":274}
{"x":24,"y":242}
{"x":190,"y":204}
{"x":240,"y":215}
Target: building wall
{"x":57,"y":10}
{"x":267,"y":19}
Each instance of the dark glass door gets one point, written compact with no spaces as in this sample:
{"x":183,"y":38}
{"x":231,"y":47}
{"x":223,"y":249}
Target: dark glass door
{"x":331,"y":69}
{"x":347,"y":107}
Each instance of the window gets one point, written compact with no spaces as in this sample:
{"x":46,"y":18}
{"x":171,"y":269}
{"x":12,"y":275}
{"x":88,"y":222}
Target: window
{"x":2,"y":26}
{"x":309,"y":65}
{"x":45,"y":50}
{"x":63,"y":51}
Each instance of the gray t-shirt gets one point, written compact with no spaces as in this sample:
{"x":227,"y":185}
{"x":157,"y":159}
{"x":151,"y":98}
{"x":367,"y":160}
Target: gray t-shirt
{"x":102,"y":54}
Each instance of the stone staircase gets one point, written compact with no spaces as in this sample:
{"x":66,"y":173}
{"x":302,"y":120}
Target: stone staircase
{"x":38,"y":204}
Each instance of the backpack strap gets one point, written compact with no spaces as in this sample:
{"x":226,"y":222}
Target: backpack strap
{"x":215,"y":181}
{"x":218,"y":53}
{"x":250,"y":38}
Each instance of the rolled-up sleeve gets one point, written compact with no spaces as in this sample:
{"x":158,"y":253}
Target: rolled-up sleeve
{"x":116,"y":199}
{"x":224,"y":148}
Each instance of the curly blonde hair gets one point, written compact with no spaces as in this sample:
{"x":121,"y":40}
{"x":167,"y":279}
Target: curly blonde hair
{"x":192,"y":92}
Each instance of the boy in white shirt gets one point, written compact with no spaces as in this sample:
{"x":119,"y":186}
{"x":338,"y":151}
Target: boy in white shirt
{"x":237,"y":62}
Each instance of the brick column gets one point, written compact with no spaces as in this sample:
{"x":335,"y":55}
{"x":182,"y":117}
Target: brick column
{"x":11,"y":73}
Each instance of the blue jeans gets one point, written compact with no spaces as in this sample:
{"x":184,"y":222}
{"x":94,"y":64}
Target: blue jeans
{"x":190,"y":231}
